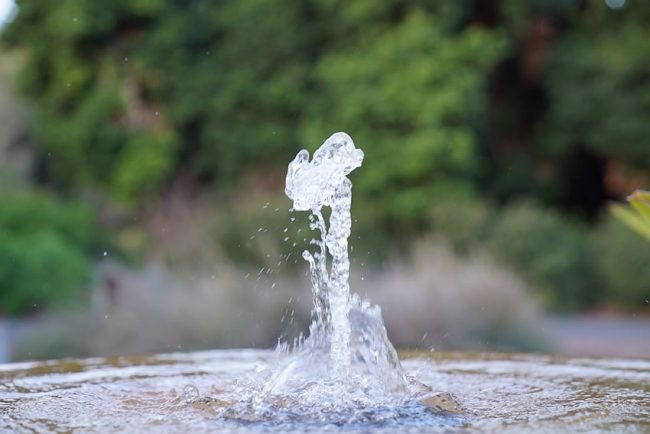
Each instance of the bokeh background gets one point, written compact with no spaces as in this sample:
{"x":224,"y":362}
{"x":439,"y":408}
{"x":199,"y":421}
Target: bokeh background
{"x":144,"y":145}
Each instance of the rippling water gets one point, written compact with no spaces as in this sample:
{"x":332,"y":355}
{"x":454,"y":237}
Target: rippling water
{"x":220,"y":391}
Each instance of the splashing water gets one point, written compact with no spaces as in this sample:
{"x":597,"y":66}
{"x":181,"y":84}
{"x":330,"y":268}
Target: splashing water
{"x":347,"y":357}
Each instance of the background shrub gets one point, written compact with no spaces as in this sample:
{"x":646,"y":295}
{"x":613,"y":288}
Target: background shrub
{"x":45,"y":251}
{"x":550,"y":251}
{"x":623,"y":263}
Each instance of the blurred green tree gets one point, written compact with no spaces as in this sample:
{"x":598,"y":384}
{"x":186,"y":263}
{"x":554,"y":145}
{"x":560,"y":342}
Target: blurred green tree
{"x":410,"y":97}
{"x":550,"y":251}
{"x":598,"y":85}
{"x":622,"y":263}
{"x":117,"y":85}
{"x":45,"y":251}
{"x":568,"y":103}
{"x":131,"y":94}
{"x":515,"y":99}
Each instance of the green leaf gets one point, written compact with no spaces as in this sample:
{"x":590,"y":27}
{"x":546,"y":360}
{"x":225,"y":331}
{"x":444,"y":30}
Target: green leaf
{"x":640,"y":200}
{"x":632,"y":219}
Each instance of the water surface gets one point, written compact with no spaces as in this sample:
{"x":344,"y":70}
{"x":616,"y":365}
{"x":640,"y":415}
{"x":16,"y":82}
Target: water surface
{"x":219,"y":391}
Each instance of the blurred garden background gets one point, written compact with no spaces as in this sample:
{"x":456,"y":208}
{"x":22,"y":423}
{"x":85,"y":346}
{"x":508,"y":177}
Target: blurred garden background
{"x":144,"y":145}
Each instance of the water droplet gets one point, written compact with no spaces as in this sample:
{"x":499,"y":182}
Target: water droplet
{"x":105,"y":253}
{"x":190,"y":393}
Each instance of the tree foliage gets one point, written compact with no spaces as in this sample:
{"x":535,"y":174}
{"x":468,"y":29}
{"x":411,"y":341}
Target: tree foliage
{"x":450,"y":101}
{"x":45,"y":251}
{"x":598,"y":85}
{"x":410,"y":97}
{"x":133,"y":93}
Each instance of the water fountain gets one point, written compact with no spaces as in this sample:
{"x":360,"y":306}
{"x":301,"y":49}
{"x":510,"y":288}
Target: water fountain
{"x":345,"y":376}
{"x":347,"y":351}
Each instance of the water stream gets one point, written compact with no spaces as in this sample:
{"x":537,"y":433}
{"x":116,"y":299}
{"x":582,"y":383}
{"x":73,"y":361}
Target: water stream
{"x":347,"y":357}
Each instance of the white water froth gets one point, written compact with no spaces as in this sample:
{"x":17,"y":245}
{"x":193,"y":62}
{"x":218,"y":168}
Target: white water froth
{"x":347,"y":360}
